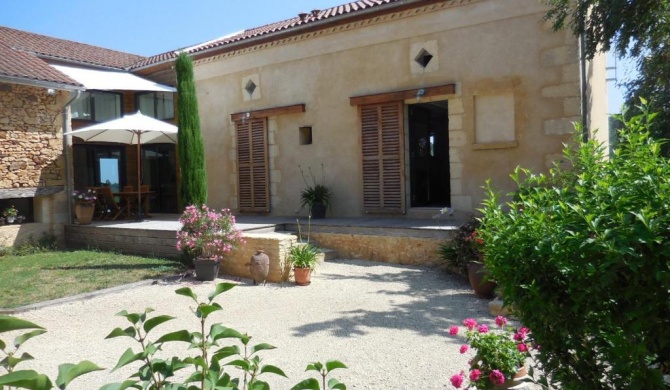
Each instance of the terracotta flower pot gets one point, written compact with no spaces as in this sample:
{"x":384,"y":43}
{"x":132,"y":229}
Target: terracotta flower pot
{"x":476,"y":273}
{"x":516,"y":380}
{"x":303,"y":276}
{"x":84,"y":213}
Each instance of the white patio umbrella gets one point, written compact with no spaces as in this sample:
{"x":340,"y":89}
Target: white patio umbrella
{"x":134,"y":129}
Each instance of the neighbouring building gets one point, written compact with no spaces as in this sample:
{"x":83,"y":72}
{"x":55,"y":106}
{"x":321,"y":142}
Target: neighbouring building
{"x":409,"y":106}
{"x":48,"y":86}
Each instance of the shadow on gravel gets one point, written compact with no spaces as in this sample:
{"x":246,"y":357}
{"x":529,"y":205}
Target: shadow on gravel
{"x":423,"y":300}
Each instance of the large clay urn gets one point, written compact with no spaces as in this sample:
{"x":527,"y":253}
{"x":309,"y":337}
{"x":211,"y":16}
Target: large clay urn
{"x":259,"y":267}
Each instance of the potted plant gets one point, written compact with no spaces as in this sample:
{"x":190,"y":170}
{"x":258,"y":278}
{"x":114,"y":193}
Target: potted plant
{"x":206,"y":236}
{"x":303,"y":258}
{"x":500,"y":354}
{"x":10,"y":213}
{"x":84,"y":205}
{"x":317,"y":196}
{"x":465,"y":253}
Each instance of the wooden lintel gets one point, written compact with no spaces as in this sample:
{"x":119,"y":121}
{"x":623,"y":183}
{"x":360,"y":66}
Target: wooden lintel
{"x":448,"y":89}
{"x":294,"y":109}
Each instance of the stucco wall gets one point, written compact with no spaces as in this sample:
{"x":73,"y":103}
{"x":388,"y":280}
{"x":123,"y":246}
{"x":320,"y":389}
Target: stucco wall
{"x":487,"y":48}
{"x":31,"y":156}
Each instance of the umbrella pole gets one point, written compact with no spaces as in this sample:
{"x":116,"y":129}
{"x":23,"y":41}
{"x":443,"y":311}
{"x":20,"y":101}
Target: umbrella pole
{"x":139,"y":216}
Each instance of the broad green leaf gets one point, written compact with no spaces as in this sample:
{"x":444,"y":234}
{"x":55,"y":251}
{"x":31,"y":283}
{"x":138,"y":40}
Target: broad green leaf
{"x":187,"y":292}
{"x":314,"y":367}
{"x":219,"y":331}
{"x":9,"y":323}
{"x":143,"y":316}
{"x":121,"y":386}
{"x":128,"y":357}
{"x":132,"y":317}
{"x":155,"y":321}
{"x":205,"y":310}
{"x":226,"y":352}
{"x":26,"y":379}
{"x":118,"y":332}
{"x":333,"y":364}
{"x":243,"y":364}
{"x":180,"y":335}
{"x":259,"y":385}
{"x":307,"y":384}
{"x":67,"y":372}
{"x":261,"y":347}
{"x":12,"y":361}
{"x":221,"y":287}
{"x":273,"y":370}
{"x":2,"y":345}
{"x":18,"y":341}
{"x":334,"y":384}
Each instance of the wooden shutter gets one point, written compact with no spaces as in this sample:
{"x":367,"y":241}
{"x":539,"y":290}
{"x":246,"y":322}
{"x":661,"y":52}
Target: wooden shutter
{"x":383,"y":163}
{"x":253,"y":190}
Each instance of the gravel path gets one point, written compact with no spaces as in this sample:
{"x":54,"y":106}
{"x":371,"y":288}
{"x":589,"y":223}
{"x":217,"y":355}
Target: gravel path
{"x":388,"y":323}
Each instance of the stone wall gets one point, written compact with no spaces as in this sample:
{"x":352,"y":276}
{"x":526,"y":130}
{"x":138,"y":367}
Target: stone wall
{"x":32,"y":164}
{"x":31,"y":153}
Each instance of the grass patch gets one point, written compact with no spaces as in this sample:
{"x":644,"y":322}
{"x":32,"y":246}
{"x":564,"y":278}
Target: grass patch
{"x":42,"y":276}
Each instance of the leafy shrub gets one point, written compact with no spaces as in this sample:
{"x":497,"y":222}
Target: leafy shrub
{"x":582,"y":254}
{"x":459,"y":251}
{"x":46,"y":243}
{"x":208,"y":366}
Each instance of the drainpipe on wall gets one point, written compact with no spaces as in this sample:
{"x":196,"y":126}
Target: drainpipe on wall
{"x":67,"y":150}
{"x":585,"y":105}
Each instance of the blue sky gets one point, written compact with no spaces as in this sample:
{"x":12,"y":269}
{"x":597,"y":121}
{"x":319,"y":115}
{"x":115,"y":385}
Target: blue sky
{"x":148,"y":27}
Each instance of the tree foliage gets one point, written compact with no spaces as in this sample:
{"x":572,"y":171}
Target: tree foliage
{"x":583,"y":255}
{"x":628,"y":27}
{"x":193,"y":189}
{"x":636,"y":29}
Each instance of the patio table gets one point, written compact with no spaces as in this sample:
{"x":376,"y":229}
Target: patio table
{"x":130,"y":197}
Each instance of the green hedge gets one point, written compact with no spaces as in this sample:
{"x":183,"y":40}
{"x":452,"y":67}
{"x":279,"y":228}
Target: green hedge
{"x":582,"y":254}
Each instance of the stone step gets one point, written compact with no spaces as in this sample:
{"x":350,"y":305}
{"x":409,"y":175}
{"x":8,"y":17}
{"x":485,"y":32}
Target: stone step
{"x":329,"y":254}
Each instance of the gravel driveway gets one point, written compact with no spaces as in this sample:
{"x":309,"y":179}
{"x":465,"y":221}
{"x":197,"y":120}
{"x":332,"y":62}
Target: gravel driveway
{"x":388,"y":323}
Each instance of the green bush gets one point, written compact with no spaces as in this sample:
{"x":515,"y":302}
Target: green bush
{"x":582,"y":254}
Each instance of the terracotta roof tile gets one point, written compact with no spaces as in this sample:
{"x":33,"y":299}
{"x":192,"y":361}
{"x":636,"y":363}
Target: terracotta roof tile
{"x":17,"y":64}
{"x":310,"y":17}
{"x":44,"y":46}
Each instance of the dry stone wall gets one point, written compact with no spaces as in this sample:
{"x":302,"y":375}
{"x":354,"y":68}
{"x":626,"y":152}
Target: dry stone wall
{"x":31,"y":146}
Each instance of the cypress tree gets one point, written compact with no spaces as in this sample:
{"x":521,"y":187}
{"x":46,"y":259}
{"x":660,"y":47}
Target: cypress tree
{"x":193,"y":189}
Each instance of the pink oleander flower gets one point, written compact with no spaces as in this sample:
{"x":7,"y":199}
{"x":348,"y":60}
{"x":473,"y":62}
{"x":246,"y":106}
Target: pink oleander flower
{"x":497,"y":377}
{"x":464,"y":348}
{"x":522,"y":347}
{"x":207,"y":232}
{"x":470,"y":323}
{"x":501,"y":321}
{"x":483,"y":328}
{"x":475,"y":374}
{"x":453,"y":330}
{"x":457,"y":380}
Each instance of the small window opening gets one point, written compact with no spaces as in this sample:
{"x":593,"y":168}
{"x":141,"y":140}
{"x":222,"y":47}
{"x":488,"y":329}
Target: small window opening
{"x":423,"y":58}
{"x":250,"y":87}
{"x":305,"y":135}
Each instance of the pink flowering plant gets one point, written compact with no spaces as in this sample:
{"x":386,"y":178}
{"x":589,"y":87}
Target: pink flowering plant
{"x":207,"y":233}
{"x":499,"y":353}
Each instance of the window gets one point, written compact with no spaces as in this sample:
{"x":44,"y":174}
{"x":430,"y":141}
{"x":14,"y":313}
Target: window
{"x":97,"y":106}
{"x":159,"y":105}
{"x":305,"y":135}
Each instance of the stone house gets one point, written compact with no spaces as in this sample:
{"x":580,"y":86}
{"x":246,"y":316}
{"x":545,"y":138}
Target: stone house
{"x":407,"y":106}
{"x":49,"y":85}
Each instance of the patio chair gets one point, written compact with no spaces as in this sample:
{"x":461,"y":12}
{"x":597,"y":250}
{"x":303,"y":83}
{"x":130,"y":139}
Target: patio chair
{"x":112,"y":209}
